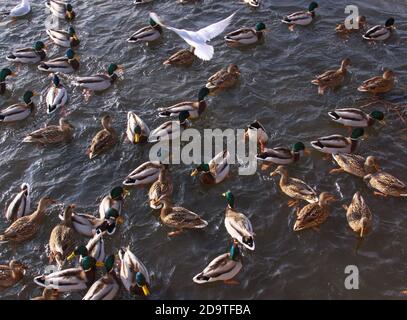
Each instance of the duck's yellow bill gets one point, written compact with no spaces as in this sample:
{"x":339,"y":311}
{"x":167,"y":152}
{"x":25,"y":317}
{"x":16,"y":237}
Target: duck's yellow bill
{"x":145,"y":290}
{"x":71,"y":256}
{"x":194,"y":173}
{"x":69,"y":15}
{"x":136,"y":138}
{"x":100,"y":264}
{"x":13,"y":74}
{"x":120,"y":220}
{"x":224,"y":194}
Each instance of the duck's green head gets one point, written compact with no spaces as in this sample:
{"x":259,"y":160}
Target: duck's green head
{"x":109,"y":263}
{"x":28,"y":95}
{"x":298,"y":147}
{"x":88,"y":263}
{"x":357,"y":133}
{"x":229,"y":198}
{"x":152,"y":22}
{"x":39,"y":45}
{"x":390,"y":22}
{"x":112,"y":213}
{"x":70,"y":54}
{"x":203,"y":92}
{"x":234,"y":251}
{"x":71,"y":31}
{"x":202,"y":167}
{"x":313,"y":5}
{"x":4,"y":73}
{"x":142,"y":283}
{"x":118,"y":193}
{"x":112,"y":68}
{"x":79,"y":251}
{"x":55,"y":80}
{"x":378,"y":115}
{"x":260,"y":26}
{"x":183,"y":116}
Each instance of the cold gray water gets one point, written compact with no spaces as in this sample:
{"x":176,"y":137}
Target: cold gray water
{"x":274,"y":88}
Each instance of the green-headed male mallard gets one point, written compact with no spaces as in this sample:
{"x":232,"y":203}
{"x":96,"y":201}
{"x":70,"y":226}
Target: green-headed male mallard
{"x":380,"y":33}
{"x":57,"y":96}
{"x":28,"y":55}
{"x":62,"y":238}
{"x":354,"y":164}
{"x":26,"y":227}
{"x":314,"y":214}
{"x":359,"y":216}
{"x":133,"y":273}
{"x":104,"y":140}
{"x":380,"y":84}
{"x":147,"y":34}
{"x":171,"y":129}
{"x":137,"y":130}
{"x":160,"y":189}
{"x":337,"y":143}
{"x":19,"y":111}
{"x":143,"y":175}
{"x":94,"y":248}
{"x":294,"y":188}
{"x":223,"y":268}
{"x":180,"y":218}
{"x":11,"y":274}
{"x":20,"y":205}
{"x":67,"y":64}
{"x":61,"y":9}
{"x":246,"y":36}
{"x":194,"y":108}
{"x":237,"y":224}
{"x":302,"y":18}
{"x":332,"y":79}
{"x":282,"y":155}
{"x":107,"y":287}
{"x":67,"y":39}
{"x":4,"y":73}
{"x":63,"y":132}
{"x":223,"y":79}
{"x":115,"y":200}
{"x":356,"y":118}
{"x":216,"y":170}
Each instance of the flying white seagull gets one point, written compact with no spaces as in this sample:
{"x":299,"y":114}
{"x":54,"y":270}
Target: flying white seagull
{"x":198,"y":39}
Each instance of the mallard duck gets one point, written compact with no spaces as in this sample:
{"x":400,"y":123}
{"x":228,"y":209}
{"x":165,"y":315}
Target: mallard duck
{"x":182,"y":58}
{"x":99,"y":82}
{"x":294,"y":188}
{"x":282,"y":155}
{"x":352,"y":117}
{"x":104,"y":140}
{"x":115,"y":200}
{"x":160,"y":189}
{"x":384,"y":184}
{"x":48,"y":294}
{"x":380,"y":33}
{"x":147,"y":34}
{"x":379,"y":84}
{"x":20,"y":10}
{"x":107,"y":287}
{"x":337,"y":143}
{"x":52,"y":134}
{"x":143,"y":175}
{"x":133,"y":273}
{"x":215,"y":171}
{"x":256,"y":131}
{"x":62,"y":238}
{"x":67,"y":39}
{"x":70,"y":280}
{"x":361,"y":24}
{"x":95,"y":248}
{"x":237,"y":224}
{"x":198,"y":39}
{"x":302,"y":18}
{"x":332,"y":78}
{"x":179,"y":218}
{"x":11,"y":274}
{"x":61,"y":9}
{"x":246,"y":36}
{"x":194,"y":108}
{"x":67,"y":64}
{"x":223,"y":268}
{"x":358,"y":214}
{"x":314,"y":214}
{"x":223,"y":79}
{"x":20,"y":205}
{"x":57,"y":96}
{"x":19,"y":111}
{"x":252,"y":3}
{"x":26,"y":227}
{"x":4,"y":73}
{"x":137,"y":130}
{"x":354,"y":164}
{"x":171,"y":129}
{"x":28,"y":55}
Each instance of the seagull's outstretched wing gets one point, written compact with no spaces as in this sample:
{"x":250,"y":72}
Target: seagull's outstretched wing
{"x":199,"y":38}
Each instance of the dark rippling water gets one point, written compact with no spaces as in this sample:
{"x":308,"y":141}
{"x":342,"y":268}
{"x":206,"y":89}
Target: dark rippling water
{"x":274,"y":88}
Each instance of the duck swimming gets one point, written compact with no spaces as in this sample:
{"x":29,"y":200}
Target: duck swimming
{"x":19,"y":111}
